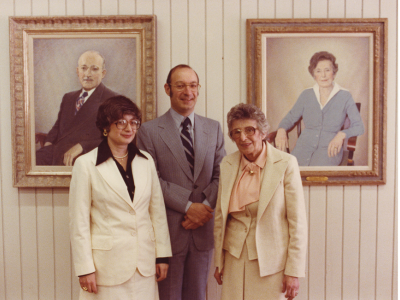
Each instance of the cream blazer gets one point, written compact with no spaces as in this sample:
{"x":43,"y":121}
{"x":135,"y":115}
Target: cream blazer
{"x":281,"y":230}
{"x":110,"y":234}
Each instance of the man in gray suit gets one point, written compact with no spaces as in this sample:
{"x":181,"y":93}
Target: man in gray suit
{"x":187,"y":150}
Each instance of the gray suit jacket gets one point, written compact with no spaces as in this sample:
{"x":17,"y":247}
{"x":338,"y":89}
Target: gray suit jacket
{"x":161,"y":138}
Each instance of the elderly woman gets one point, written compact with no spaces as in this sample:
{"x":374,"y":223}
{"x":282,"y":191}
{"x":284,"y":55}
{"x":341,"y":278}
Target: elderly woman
{"x":118,"y":225}
{"x":324,"y":108}
{"x":260,"y":228}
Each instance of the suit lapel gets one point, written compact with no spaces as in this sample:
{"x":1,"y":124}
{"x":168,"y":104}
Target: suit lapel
{"x":200,"y":145}
{"x":139,"y":170}
{"x":228,"y":179}
{"x":274,"y":169}
{"x":110,"y":173}
{"x":171,"y":137}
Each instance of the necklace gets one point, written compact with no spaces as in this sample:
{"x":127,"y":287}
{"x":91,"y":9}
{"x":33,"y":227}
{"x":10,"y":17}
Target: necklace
{"x":122,"y":157}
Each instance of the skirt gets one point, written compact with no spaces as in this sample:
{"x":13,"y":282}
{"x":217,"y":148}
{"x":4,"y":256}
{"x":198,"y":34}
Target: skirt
{"x":136,"y":288}
{"x":242,"y":281}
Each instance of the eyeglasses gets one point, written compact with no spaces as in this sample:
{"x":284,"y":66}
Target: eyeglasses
{"x":192,"y":86}
{"x":248,"y":131}
{"x":121,"y":124}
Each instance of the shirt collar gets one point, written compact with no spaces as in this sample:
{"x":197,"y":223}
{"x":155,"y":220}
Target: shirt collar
{"x":104,"y":152}
{"x":260,"y":161}
{"x":89,"y":93}
{"x":335,"y":90}
{"x":178,"y":118}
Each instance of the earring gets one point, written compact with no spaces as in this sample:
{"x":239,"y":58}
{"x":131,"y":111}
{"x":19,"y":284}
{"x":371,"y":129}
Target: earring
{"x":105,"y":133}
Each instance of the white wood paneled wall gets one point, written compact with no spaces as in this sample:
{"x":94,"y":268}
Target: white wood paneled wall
{"x":353,"y":229}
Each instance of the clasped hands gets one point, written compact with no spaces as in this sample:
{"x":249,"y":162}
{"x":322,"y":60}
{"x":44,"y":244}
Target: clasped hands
{"x":197,"y":215}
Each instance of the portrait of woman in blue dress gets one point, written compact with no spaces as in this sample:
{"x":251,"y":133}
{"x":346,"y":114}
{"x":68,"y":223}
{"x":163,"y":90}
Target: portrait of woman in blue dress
{"x":324,"y":108}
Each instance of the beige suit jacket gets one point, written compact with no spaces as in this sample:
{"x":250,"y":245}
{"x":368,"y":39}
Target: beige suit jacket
{"x":110,"y":234}
{"x":281,"y":230}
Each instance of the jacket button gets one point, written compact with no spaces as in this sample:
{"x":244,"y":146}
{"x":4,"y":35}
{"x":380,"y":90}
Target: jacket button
{"x":245,"y":230}
{"x":132,"y":212}
{"x":195,"y":186}
{"x":133,"y":233}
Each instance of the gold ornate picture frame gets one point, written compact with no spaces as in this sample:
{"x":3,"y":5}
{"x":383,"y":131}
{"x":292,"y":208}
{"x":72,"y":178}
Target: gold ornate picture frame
{"x":278,"y":56}
{"x":44,"y":53}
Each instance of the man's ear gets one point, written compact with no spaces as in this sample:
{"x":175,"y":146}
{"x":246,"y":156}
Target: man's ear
{"x":104,"y":73}
{"x":167,"y":89}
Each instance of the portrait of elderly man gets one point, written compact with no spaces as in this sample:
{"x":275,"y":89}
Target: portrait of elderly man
{"x":74,"y":132}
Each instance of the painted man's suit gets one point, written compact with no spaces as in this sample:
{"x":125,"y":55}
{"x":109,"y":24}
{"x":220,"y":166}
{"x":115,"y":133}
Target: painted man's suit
{"x":71,"y":129}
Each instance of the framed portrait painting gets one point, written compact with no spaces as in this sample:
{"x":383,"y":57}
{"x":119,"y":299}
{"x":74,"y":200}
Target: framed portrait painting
{"x":322,"y":85}
{"x":44,"y":55}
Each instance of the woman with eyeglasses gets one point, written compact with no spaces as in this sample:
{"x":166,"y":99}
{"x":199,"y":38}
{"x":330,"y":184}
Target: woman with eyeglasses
{"x":260,"y":229}
{"x":118,"y":226}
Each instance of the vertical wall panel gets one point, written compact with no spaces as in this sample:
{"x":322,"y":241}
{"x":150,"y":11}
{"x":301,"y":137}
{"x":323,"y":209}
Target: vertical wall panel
{"x":28,"y":244}
{"x":127,"y":7}
{"x":214,"y":61}
{"x":351,"y":242}
{"x":162,"y":11}
{"x":336,"y":8}
{"x":197,"y":46}
{"x":109,"y":7}
{"x":91,"y":7}
{"x":266,"y":9}
{"x":284,"y":9}
{"x":57,"y":7}
{"x":302,"y":8}
{"x":370,"y":9}
{"x":248,"y":10}
{"x":23,"y":7}
{"x":368,"y":242}
{"x":353,"y":8}
{"x":62,"y":253}
{"x":317,"y":253}
{"x":303,"y":294}
{"x":179,"y":32}
{"x":334,"y":238}
{"x":319,"y":8}
{"x":74,"y":7}
{"x":40,"y":8}
{"x":386,"y":194}
{"x":10,"y":199}
{"x":6,"y":10}
{"x":144,"y":7}
{"x":231,"y":62}
{"x":45,"y":242}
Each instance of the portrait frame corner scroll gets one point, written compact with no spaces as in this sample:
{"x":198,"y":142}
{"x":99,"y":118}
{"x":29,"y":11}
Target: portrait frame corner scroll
{"x":279,"y":50}
{"x":132,"y":35}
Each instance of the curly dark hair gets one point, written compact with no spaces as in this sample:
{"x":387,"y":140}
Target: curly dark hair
{"x":319,"y":56}
{"x":114,"y":109}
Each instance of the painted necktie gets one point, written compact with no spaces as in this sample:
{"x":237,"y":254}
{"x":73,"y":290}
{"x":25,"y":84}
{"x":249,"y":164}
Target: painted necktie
{"x":80,"y":102}
{"x":187,"y":143}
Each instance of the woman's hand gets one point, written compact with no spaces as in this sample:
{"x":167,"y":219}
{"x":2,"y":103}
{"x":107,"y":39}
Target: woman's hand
{"x":290,"y":286}
{"x":88,"y":283}
{"x":161,"y":271}
{"x":336,"y":144}
{"x":218,"y":275}
{"x":281,"y":141}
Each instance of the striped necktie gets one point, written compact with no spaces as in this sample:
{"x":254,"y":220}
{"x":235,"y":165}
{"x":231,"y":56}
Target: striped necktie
{"x":80,"y":102}
{"x":187,"y":143}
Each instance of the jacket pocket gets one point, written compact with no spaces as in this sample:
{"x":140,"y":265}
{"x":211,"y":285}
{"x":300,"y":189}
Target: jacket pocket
{"x":102,"y":242}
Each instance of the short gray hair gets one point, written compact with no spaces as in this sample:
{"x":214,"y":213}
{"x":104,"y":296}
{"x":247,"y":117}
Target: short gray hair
{"x":245,"y":111}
